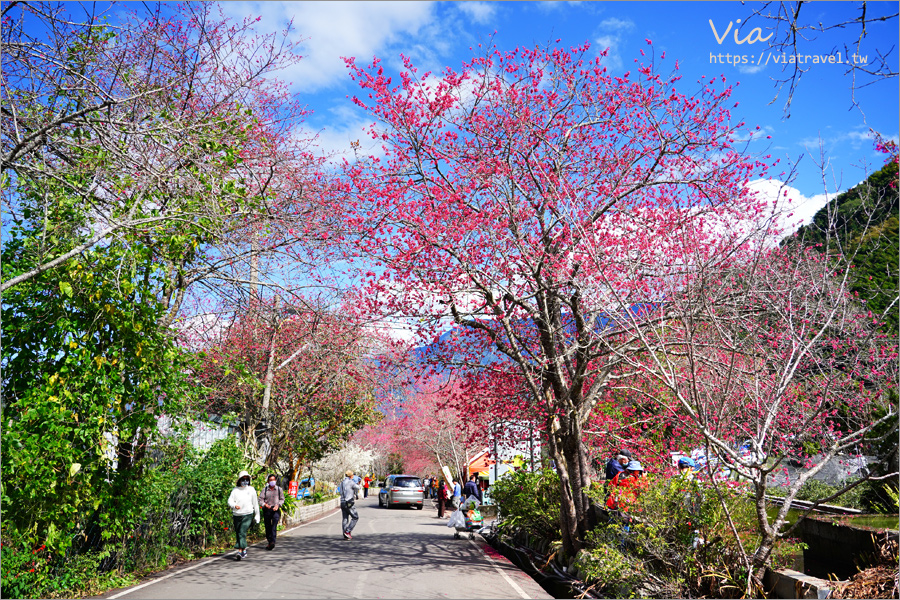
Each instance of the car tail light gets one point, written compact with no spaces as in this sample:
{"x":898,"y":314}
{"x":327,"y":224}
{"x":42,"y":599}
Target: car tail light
{"x":396,"y":489}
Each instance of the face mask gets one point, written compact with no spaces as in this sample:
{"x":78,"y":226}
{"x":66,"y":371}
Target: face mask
{"x":244,"y":483}
{"x":271,"y":484}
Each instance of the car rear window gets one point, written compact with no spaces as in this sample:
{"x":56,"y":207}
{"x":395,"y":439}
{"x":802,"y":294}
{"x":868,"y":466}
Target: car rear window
{"x":407,"y":482}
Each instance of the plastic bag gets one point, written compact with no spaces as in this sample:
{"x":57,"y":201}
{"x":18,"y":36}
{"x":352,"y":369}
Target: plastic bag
{"x":457,"y":519}
{"x":471,"y":502}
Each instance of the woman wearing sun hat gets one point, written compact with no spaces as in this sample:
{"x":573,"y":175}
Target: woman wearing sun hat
{"x":244,"y":506}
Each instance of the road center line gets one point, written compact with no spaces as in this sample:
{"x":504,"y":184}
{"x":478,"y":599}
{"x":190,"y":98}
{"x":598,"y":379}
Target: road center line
{"x":359,"y":590}
{"x":508,"y":579}
{"x":209,"y":560}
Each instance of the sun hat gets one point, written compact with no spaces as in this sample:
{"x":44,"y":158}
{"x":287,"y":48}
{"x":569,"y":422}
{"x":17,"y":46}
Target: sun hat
{"x":241,"y":475}
{"x":624,"y":452}
{"x":684,"y":461}
{"x":634,"y":466}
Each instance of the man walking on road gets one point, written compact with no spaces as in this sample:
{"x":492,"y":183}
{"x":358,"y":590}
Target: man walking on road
{"x":457,"y":495}
{"x":271,"y":499}
{"x":348,"y":491}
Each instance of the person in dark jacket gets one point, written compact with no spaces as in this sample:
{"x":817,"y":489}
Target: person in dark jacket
{"x":471,"y":488}
{"x":271,"y":499}
{"x":617,"y":464}
{"x":443,"y":497}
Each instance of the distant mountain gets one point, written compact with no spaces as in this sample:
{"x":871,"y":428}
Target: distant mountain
{"x":864,"y":219}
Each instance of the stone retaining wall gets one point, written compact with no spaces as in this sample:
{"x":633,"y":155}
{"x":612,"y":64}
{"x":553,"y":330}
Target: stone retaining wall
{"x":307,"y":512}
{"x":788,"y":583}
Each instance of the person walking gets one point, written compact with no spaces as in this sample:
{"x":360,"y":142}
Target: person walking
{"x":271,"y":499}
{"x":442,"y":497}
{"x":358,"y":481}
{"x":348,"y":490}
{"x":457,"y":495}
{"x":471,"y":488}
{"x":434,"y":487}
{"x":366,"y":482}
{"x":244,"y":506}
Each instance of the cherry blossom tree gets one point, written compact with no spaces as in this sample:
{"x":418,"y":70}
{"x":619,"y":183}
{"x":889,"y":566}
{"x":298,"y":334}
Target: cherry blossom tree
{"x":163,"y":127}
{"x":333,"y":465}
{"x":498,"y":185}
{"x":435,"y":429}
{"x":772,"y":350}
{"x":299,"y":379}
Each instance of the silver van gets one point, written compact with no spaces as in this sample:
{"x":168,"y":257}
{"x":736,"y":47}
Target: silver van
{"x":402,"y":490}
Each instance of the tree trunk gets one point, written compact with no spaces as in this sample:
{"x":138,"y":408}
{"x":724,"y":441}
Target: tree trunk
{"x":568,"y":511}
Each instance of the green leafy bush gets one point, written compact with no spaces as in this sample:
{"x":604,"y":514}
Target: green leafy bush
{"x":529,"y":500}
{"x":679,"y":527}
{"x":36,"y":573}
{"x":176,"y":509}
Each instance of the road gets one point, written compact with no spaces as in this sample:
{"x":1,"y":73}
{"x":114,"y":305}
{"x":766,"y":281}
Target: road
{"x":394,"y":553}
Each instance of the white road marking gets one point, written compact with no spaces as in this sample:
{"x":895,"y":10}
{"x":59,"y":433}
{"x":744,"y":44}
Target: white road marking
{"x":508,"y":579}
{"x":203,"y":562}
{"x":359,"y":590}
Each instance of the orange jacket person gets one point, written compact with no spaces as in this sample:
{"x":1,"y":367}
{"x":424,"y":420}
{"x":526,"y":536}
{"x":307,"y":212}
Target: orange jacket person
{"x":626,"y":487}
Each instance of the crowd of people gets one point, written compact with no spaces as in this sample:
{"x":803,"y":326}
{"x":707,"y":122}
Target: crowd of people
{"x":625,"y":479}
{"x":624,"y":484}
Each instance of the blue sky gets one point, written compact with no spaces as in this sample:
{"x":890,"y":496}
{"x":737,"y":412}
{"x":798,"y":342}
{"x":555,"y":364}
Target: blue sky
{"x":439,"y":34}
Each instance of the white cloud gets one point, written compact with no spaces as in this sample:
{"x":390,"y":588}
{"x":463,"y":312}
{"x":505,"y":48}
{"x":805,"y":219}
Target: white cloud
{"x":611,"y":37}
{"x":480,"y":12}
{"x":331,"y":30}
{"x":750,"y":69}
{"x":555,"y":5}
{"x":609,"y":42}
{"x":338,"y":140}
{"x":793,"y":208}
{"x":614,"y":23}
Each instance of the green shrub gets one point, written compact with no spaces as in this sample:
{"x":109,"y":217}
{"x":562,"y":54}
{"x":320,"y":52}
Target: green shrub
{"x":173,"y":507}
{"x":605,"y":564}
{"x":679,"y":527}
{"x":37,"y":574}
{"x":529,"y":500}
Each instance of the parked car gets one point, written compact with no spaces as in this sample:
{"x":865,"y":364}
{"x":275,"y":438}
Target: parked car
{"x":306,"y":486}
{"x":402,"y":490}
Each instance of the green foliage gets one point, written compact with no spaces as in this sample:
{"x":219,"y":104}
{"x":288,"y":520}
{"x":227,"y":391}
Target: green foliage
{"x":863,"y":497}
{"x":34,"y":574}
{"x":179,"y":504}
{"x":529,"y":500}
{"x":605,"y":564}
{"x":87,"y":374}
{"x":680,"y":527}
{"x":177,"y":509}
{"x":394,"y":463}
{"x":864,"y":221}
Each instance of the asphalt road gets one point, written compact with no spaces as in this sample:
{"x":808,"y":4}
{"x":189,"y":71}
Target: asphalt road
{"x":394,"y":553}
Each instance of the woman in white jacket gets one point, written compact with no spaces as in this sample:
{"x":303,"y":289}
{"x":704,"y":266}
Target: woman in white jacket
{"x":244,"y":508}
